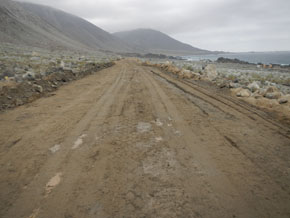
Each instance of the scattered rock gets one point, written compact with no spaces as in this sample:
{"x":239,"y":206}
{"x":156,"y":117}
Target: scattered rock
{"x":186,"y":74}
{"x":35,"y":58}
{"x":62,"y":64}
{"x":196,"y":76}
{"x":272,"y":92}
{"x":283,"y":101}
{"x":223,"y":85}
{"x":256,"y":95}
{"x":234,"y":85}
{"x":18,"y":102}
{"x":173,"y":69}
{"x":37,"y":88}
{"x":273,"y":95}
{"x":168,"y":63}
{"x":243,"y":93}
{"x":272,"y":89}
{"x":29,"y":75}
{"x":210,"y":71}
{"x":254,"y":86}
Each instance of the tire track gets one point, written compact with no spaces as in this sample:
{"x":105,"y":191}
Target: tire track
{"x":145,"y":148}
{"x":278,"y":128}
{"x":58,"y":162}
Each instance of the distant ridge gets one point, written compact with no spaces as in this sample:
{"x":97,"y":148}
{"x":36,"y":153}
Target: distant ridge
{"x":157,"y":42}
{"x":41,"y":26}
{"x":46,"y":27}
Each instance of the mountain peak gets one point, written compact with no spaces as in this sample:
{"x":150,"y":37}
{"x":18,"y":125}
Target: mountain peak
{"x":155,"y":41}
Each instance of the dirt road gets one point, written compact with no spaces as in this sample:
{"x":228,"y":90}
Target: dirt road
{"x":130,"y":141}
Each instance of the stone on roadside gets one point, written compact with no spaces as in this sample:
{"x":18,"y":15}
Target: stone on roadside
{"x":272,"y":92}
{"x":29,"y":75}
{"x":62,"y":64}
{"x":271,"y":89}
{"x":234,"y":85}
{"x":44,"y":73}
{"x":185,"y":74}
{"x":35,"y":58}
{"x":37,"y":88}
{"x":273,"y":95}
{"x":254,"y":86}
{"x":243,"y":93}
{"x":283,"y":101}
{"x":18,"y":102}
{"x":196,"y":76}
{"x":223,"y":84}
{"x":173,"y":69}
{"x":167,"y":63}
{"x":18,"y":78}
{"x":210,"y":71}
{"x":257,"y":94}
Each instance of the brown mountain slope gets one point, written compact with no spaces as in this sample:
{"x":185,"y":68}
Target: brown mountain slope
{"x":42,"y":26}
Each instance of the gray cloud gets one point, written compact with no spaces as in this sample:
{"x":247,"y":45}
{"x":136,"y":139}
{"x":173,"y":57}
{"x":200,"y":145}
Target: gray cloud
{"x":231,"y":25}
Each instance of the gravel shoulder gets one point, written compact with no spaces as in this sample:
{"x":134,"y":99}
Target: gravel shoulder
{"x":132,"y":141}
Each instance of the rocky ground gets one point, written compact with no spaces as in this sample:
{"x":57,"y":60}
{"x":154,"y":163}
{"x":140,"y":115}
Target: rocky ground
{"x":263,"y":86}
{"x":26,"y":75}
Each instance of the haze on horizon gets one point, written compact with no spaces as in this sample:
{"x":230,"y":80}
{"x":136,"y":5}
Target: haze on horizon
{"x":228,"y":25}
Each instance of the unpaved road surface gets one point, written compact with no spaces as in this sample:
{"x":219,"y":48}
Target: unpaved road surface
{"x":131,"y":141}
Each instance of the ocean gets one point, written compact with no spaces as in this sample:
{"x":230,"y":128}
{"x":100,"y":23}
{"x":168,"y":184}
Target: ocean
{"x":282,"y":58}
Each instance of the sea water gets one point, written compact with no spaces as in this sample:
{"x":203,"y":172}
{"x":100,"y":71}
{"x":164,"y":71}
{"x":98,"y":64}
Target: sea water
{"x":282,"y":58}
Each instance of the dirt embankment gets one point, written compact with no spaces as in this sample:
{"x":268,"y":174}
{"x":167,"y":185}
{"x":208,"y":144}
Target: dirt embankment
{"x":13,"y":94}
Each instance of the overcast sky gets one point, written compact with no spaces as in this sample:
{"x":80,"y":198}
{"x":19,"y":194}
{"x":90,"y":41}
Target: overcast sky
{"x":228,"y":25}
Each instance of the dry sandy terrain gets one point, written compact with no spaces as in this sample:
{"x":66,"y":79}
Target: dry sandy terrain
{"x":129,"y":142}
